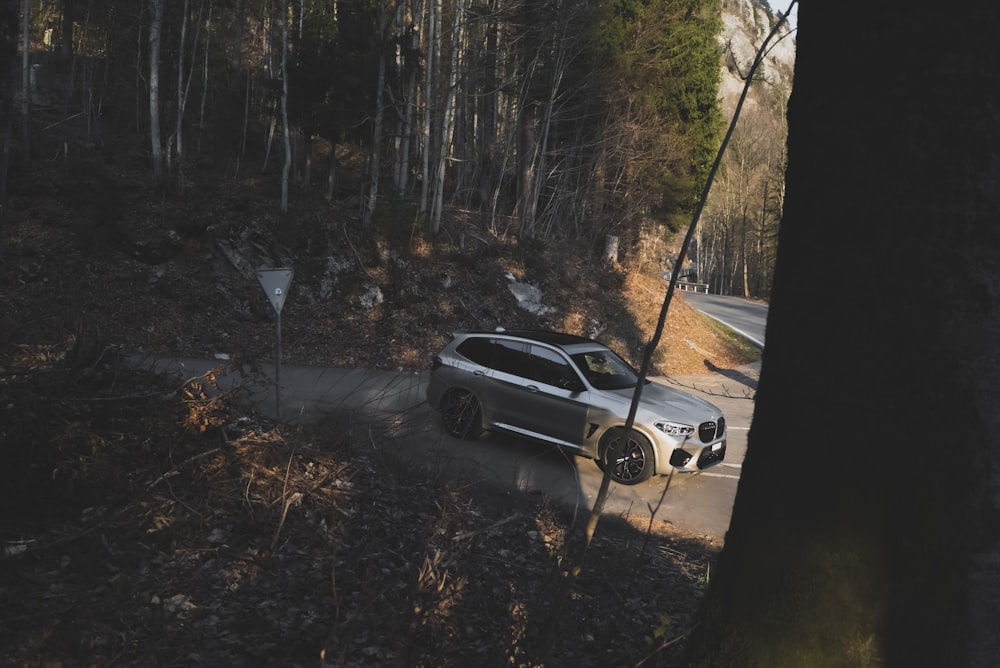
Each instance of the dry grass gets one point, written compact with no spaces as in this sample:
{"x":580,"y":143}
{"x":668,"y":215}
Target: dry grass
{"x":151,"y":524}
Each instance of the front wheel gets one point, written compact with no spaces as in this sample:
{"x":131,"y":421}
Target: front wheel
{"x":462,"y":414}
{"x":629,"y":458}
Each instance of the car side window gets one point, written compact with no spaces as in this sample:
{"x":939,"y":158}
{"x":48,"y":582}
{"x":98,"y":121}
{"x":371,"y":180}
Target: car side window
{"x":500,"y":354}
{"x":549,"y":367}
{"x":510,"y":356}
{"x":478,"y":350}
{"x":605,"y":371}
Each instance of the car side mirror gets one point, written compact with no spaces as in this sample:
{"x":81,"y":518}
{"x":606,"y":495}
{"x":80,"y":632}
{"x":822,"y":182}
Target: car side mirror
{"x":571,"y":384}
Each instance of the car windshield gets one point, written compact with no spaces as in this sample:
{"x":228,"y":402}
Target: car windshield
{"x":605,"y":370}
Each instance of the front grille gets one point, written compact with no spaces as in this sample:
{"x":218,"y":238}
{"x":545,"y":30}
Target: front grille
{"x":711,"y":430}
{"x":711,"y":457}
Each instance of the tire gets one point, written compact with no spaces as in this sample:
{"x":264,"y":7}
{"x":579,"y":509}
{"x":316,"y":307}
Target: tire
{"x":462,"y":414}
{"x":631,"y":459}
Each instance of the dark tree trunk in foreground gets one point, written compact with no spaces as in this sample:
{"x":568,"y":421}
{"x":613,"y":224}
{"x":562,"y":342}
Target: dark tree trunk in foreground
{"x":865,"y":522}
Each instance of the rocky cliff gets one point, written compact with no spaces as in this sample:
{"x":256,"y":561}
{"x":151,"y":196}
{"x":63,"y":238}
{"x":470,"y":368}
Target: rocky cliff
{"x":746,"y":23}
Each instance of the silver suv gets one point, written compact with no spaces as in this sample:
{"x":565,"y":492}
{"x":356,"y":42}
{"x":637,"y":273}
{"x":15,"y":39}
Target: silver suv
{"x":575,"y":393}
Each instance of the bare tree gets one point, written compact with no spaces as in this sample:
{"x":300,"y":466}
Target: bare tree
{"x":155,"y":31}
{"x":745,"y":208}
{"x":447,"y":120}
{"x":285,"y":130}
{"x":204,"y":75}
{"x":184,"y":83}
{"x":408,"y":27}
{"x":26,"y":82}
{"x":431,"y":78}
{"x":375,"y":155}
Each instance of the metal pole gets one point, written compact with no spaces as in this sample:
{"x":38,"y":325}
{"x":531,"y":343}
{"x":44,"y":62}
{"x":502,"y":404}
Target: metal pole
{"x":277,"y":374}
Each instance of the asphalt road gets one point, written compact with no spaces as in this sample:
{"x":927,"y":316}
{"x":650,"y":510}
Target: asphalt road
{"x":743,"y":316}
{"x":404,"y":427}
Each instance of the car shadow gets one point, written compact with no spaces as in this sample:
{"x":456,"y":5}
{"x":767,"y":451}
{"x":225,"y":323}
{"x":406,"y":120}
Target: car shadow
{"x":733,"y":374}
{"x":503,"y":462}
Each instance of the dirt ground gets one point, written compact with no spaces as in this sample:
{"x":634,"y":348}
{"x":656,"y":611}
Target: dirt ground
{"x":147,"y":522}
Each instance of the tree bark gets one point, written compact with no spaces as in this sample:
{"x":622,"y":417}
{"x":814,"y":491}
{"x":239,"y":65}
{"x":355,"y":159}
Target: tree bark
{"x":155,"y":28}
{"x":444,"y":140}
{"x":375,"y":156}
{"x":489,"y":101}
{"x":181,"y":95}
{"x":204,"y":77}
{"x":409,"y":102}
{"x":431,"y":77}
{"x":26,"y":82}
{"x":285,"y":130}
{"x":866,"y":511}
{"x":184,"y":82}
{"x":68,"y":16}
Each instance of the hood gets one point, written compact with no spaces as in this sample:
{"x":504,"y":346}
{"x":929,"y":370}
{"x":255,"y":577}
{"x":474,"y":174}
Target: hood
{"x":666,"y":402}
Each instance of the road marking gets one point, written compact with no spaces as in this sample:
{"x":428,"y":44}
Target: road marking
{"x":721,"y":475}
{"x":750,"y":337}
{"x":739,"y":428}
{"x":734,"y":466}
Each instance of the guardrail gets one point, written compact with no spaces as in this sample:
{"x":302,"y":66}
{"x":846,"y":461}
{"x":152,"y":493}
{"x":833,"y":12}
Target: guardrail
{"x":692,"y":287}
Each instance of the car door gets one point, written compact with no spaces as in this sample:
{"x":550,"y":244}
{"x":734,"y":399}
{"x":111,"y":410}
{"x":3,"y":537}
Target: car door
{"x":553,"y":403}
{"x":500,"y":383}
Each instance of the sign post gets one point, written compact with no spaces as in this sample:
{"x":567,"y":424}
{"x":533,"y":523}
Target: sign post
{"x":275,"y":283}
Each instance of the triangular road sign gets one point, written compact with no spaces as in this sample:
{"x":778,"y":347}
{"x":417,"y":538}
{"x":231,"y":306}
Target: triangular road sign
{"x":275,"y":283}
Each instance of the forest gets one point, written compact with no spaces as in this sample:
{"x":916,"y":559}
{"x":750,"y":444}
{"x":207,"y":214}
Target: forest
{"x":578,"y":122}
{"x":145,"y":522}
{"x":409,"y":160}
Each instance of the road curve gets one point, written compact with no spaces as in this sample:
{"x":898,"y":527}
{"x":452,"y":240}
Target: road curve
{"x":698,"y":503}
{"x":746,"y":318}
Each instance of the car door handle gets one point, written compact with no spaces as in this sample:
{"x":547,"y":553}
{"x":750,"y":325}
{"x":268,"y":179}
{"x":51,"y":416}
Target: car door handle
{"x":478,"y":373}
{"x":531,"y":388}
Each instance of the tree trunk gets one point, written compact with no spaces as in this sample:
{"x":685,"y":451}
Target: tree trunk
{"x":527,"y":143}
{"x":26,"y":83}
{"x":204,"y":77}
{"x":402,"y":170}
{"x":610,"y":249}
{"x":866,"y":512}
{"x":330,"y":190}
{"x":181,"y":95}
{"x":155,"y":28}
{"x":184,"y":83}
{"x":68,"y":15}
{"x":375,"y":156}
{"x":437,"y":205}
{"x":489,"y":101}
{"x":431,"y":77}
{"x":286,"y":132}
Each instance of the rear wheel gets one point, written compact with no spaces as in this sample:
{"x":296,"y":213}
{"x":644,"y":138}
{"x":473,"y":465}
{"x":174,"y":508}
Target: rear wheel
{"x":462,"y":414}
{"x":630,"y":458}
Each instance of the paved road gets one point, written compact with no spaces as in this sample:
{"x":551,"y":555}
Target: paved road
{"x":697,"y":503}
{"x":741,"y":315}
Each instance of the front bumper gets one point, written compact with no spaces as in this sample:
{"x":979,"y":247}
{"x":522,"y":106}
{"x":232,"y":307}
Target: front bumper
{"x":699,"y":460}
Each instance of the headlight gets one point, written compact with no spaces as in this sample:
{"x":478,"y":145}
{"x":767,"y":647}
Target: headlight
{"x":674,"y":428}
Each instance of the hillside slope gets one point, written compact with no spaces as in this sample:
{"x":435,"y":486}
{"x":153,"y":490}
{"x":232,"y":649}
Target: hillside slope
{"x":93,"y":258}
{"x":146,"y":523}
